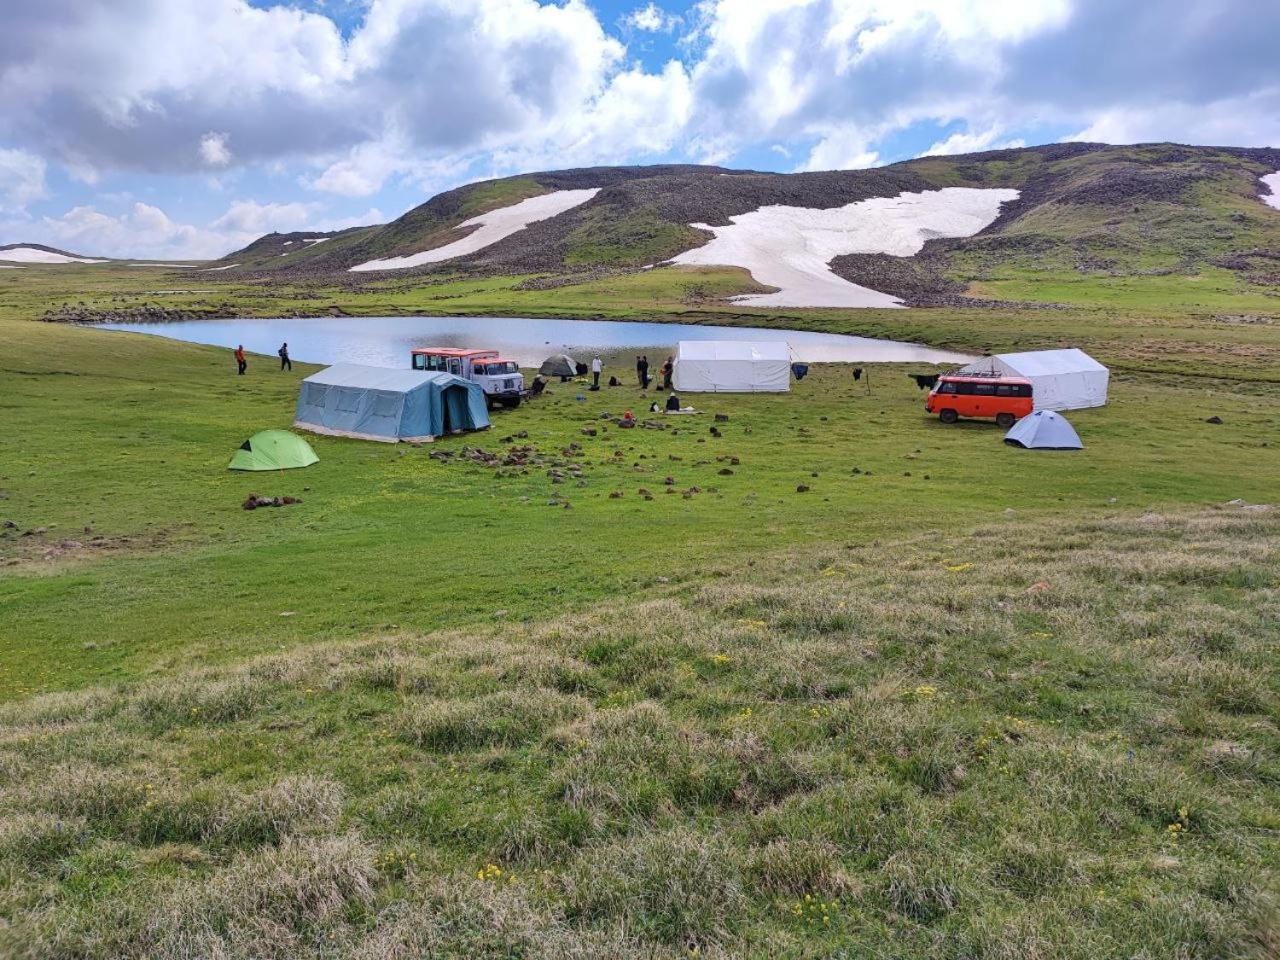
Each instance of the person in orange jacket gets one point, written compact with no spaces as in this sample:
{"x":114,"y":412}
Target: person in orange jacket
{"x":241,"y":365}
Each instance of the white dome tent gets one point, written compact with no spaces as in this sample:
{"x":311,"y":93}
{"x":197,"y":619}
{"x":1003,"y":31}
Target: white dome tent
{"x":1060,"y":379}
{"x":1044,"y":430}
{"x":733,"y":366}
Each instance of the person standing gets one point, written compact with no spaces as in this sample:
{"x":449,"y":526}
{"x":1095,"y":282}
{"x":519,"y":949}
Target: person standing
{"x":241,"y":365}
{"x":668,"y":369}
{"x":642,"y":368}
{"x":596,"y":367}
{"x":284,"y":357}
{"x":639,"y":370}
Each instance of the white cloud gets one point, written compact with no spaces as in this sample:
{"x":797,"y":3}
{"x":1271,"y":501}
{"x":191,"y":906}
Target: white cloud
{"x":142,"y":231}
{"x":146,"y":232}
{"x":214,"y":150}
{"x":21,"y":179}
{"x":427,"y":92}
{"x":1252,"y":120}
{"x":251,"y":217}
{"x":651,"y":19}
{"x":968,"y":141}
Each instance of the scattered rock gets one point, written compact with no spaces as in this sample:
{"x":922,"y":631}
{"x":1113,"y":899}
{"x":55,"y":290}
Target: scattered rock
{"x":254,"y":501}
{"x":1214,"y":419}
{"x":722,"y":418}
{"x":1040,"y":586}
{"x":726,"y":472}
{"x":802,"y":488}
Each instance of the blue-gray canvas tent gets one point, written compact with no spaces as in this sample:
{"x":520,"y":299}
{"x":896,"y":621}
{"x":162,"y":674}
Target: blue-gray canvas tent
{"x":382,"y":403}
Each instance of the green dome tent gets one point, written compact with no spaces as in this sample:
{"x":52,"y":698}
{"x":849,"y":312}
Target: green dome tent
{"x":273,"y":450}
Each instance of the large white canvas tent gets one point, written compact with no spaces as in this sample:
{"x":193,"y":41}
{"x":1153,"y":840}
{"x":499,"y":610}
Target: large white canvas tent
{"x":733,"y":366}
{"x":1060,"y":379}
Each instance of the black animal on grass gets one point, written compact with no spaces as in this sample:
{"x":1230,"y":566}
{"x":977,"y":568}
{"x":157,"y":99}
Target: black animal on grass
{"x":926,"y":381}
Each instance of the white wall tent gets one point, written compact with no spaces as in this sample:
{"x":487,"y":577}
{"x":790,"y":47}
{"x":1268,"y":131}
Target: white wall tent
{"x":1061,"y":379}
{"x":733,"y":366}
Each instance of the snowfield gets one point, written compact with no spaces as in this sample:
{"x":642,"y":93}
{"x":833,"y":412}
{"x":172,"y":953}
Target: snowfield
{"x":1273,"y":181}
{"x":33,"y":255}
{"x":493,"y":226}
{"x":790,"y":247}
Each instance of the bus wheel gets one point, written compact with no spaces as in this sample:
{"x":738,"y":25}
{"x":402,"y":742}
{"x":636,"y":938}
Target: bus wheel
{"x":948,"y":416}
{"x":1006,"y":420}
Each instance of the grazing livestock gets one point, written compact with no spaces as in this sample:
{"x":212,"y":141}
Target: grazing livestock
{"x":925,"y":382}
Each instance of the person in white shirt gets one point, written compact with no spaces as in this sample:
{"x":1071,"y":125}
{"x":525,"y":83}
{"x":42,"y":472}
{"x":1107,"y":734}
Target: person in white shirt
{"x":596,"y":367}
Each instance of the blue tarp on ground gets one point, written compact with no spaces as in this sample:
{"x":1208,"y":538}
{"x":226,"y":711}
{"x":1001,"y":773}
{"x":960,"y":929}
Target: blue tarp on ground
{"x":381,"y":403}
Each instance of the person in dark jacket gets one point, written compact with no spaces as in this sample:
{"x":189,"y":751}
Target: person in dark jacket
{"x":284,"y":357}
{"x":673,"y":403}
{"x":668,"y":369}
{"x":642,"y":372}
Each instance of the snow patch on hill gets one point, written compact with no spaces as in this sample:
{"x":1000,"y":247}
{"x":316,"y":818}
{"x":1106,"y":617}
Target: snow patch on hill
{"x":1273,"y":181}
{"x":492,"y":226}
{"x":791,"y":247}
{"x":36,"y":255}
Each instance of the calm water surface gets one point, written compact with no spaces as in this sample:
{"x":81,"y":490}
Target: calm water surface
{"x":386,"y":341}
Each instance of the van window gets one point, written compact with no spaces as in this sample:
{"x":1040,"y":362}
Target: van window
{"x":1006,"y":390}
{"x":964,"y":388}
{"x":984,"y":389}
{"x":947,"y":386}
{"x":427,"y":361}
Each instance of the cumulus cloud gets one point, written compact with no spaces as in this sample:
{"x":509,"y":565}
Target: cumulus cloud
{"x":214,"y":150}
{"x":973,"y":141}
{"x":251,"y":217}
{"x":21,"y":179}
{"x":142,"y":231}
{"x":146,"y":232}
{"x":651,"y":19}
{"x":427,"y":93}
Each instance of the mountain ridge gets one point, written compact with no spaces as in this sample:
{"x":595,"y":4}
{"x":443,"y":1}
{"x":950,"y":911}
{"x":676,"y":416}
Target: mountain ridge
{"x":1086,"y":207}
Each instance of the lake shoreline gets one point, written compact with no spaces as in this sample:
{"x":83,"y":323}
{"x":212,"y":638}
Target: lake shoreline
{"x":387,"y":339}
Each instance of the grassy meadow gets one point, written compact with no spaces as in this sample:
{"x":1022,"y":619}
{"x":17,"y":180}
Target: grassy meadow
{"x":952,"y":699}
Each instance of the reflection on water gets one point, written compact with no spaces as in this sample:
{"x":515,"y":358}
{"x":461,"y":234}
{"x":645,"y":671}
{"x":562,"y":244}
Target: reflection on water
{"x":386,"y":341}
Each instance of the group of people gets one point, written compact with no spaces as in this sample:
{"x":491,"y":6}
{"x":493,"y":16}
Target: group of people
{"x":666,"y":371}
{"x":242,"y":364}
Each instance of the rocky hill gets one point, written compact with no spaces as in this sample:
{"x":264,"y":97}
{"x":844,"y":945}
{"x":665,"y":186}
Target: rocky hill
{"x":1081,"y":207}
{"x":39,"y":253}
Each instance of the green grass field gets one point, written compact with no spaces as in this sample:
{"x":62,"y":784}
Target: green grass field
{"x":952,"y":700}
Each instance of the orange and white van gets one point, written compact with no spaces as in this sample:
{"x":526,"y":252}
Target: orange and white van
{"x":1004,"y":399}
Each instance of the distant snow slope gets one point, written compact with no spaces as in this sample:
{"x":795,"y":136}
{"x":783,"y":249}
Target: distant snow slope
{"x":493,"y":226}
{"x":1273,"y":181}
{"x":34,"y":255}
{"x":791,"y":247}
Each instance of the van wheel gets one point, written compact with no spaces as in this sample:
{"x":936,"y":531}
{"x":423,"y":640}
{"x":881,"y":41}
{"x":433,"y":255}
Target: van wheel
{"x":948,"y":416}
{"x":488,"y":402}
{"x":511,"y":403}
{"x":1006,"y":420}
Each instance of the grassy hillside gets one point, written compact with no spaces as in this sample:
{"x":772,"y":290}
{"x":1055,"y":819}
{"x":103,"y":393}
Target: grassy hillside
{"x":1044,"y":737}
{"x":1085,"y":210}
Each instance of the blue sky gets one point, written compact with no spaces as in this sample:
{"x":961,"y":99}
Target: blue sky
{"x":185,"y":128}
